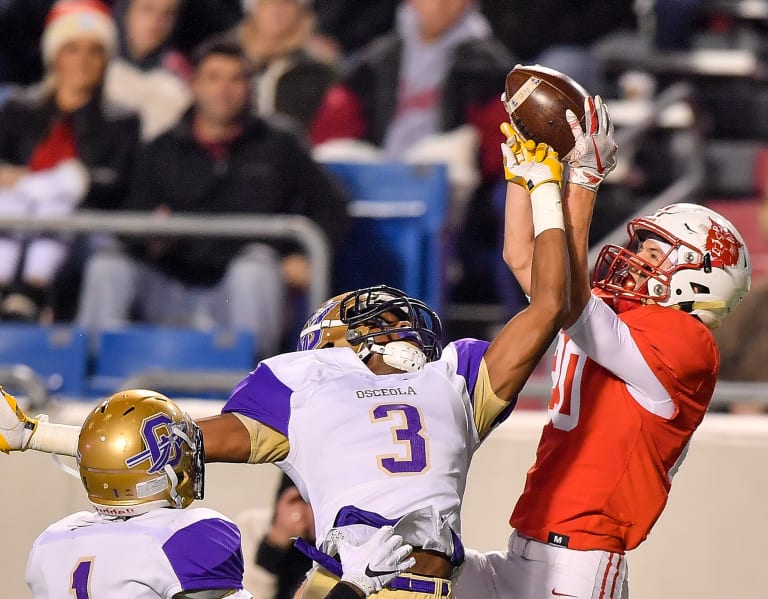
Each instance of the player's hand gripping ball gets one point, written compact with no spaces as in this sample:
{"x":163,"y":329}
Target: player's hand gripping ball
{"x":536,"y":99}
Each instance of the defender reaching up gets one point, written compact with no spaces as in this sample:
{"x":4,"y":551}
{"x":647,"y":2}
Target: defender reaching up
{"x":374,"y":420}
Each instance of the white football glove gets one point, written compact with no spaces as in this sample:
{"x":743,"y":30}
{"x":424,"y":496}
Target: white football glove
{"x":594,"y":154}
{"x":372,"y":565}
{"x":529,"y":164}
{"x":16,"y":429}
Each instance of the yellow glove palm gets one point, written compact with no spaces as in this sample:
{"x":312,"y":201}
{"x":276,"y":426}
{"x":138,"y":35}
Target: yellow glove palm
{"x":527,"y":163}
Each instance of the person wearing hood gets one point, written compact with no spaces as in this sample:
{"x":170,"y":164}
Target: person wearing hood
{"x":148,"y":74}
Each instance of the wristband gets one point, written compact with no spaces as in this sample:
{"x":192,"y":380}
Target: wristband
{"x":55,"y":438}
{"x":547,"y":208}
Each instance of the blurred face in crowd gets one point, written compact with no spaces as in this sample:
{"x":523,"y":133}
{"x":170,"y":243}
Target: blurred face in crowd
{"x":438,"y":16}
{"x":80,"y":64}
{"x":221,"y":89}
{"x":149,"y":23}
{"x":277,"y":18}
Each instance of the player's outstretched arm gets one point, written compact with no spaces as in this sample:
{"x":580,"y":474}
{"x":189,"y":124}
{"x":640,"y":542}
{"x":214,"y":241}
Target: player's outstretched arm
{"x":19,"y":432}
{"x":515,"y":352}
{"x":225,"y":438}
{"x":593,"y":157}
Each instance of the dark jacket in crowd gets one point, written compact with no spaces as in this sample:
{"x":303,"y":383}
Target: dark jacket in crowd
{"x":263,"y":171}
{"x":107,"y":139}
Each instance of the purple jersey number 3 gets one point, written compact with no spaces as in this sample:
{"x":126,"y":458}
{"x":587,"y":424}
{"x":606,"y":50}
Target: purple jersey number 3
{"x":81,"y":579}
{"x":411,"y":435}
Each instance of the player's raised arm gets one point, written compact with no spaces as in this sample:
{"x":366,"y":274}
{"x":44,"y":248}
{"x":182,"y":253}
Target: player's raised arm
{"x":226,"y":438}
{"x":592,"y":158}
{"x":19,"y":432}
{"x":515,"y":352}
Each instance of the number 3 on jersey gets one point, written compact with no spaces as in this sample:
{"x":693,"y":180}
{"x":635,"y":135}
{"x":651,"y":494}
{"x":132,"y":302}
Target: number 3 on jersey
{"x":566,"y":385}
{"x":410,"y":434}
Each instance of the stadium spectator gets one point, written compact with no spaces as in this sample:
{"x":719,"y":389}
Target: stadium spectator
{"x":628,"y":391}
{"x":289,"y":84}
{"x":61,"y":146}
{"x":429,"y":92}
{"x":148,"y":75}
{"x":217,"y":159}
{"x":439,"y":70}
{"x":274,"y":568}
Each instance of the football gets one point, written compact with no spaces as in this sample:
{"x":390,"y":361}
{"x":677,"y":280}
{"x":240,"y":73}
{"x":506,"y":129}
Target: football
{"x":536,"y":99}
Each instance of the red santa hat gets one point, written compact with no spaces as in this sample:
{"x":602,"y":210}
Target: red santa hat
{"x":72,"y":19}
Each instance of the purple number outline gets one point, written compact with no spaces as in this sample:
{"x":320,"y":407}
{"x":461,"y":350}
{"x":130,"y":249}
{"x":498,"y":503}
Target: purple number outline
{"x":81,"y":576}
{"x":417,"y":459}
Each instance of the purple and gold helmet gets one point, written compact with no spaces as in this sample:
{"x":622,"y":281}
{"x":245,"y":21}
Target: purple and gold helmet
{"x":354,"y":318}
{"x":137,"y":451}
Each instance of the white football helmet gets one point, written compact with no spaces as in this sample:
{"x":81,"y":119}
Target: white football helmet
{"x":710,"y":272}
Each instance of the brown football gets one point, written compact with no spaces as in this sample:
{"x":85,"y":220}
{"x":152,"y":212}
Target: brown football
{"x":537,"y":98}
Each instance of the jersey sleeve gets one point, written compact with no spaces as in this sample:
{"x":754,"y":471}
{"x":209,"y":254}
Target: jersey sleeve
{"x":679,"y":349}
{"x":263,"y":397}
{"x":206,"y":555}
{"x":662,"y":354}
{"x":488,"y":409}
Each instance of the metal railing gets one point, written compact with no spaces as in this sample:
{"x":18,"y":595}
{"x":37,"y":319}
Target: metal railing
{"x":141,"y":224}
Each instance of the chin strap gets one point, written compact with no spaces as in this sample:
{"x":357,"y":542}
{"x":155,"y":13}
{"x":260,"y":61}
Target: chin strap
{"x":400,"y":354}
{"x":178,"y":501}
{"x":73,"y":472}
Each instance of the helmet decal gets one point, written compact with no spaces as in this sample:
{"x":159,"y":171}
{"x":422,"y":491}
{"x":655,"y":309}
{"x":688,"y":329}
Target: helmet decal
{"x":163,"y":446}
{"x":311,"y":332}
{"x":137,"y":451}
{"x":722,"y":245}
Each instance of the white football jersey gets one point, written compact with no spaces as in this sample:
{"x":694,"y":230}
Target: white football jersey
{"x":365,"y":447}
{"x":157,"y":554}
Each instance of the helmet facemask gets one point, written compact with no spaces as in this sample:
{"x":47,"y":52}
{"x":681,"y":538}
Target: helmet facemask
{"x":381,"y":319}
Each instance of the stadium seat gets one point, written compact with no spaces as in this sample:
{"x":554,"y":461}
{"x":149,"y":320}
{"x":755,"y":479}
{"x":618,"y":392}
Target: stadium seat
{"x":58,"y":355}
{"x":396,"y":231}
{"x":139,"y":350}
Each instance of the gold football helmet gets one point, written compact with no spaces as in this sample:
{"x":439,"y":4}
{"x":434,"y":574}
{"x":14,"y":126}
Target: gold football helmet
{"x":138,"y":451}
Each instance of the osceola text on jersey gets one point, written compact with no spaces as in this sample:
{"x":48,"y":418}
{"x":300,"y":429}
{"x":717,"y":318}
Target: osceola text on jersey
{"x":385,"y":392}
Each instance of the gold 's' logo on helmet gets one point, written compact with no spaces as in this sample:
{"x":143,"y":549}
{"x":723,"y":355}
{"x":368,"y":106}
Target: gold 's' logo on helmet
{"x":162,"y":445}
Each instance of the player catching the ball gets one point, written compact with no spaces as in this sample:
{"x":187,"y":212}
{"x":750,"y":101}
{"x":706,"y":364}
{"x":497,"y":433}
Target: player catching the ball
{"x":634,"y":371}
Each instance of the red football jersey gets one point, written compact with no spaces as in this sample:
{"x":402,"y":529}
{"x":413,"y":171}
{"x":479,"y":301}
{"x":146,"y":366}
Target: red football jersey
{"x":602,"y":472}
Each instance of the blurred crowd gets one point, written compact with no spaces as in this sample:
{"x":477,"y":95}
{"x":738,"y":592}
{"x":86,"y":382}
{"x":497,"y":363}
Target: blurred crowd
{"x":230,"y":106}
{"x":234,"y":106}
